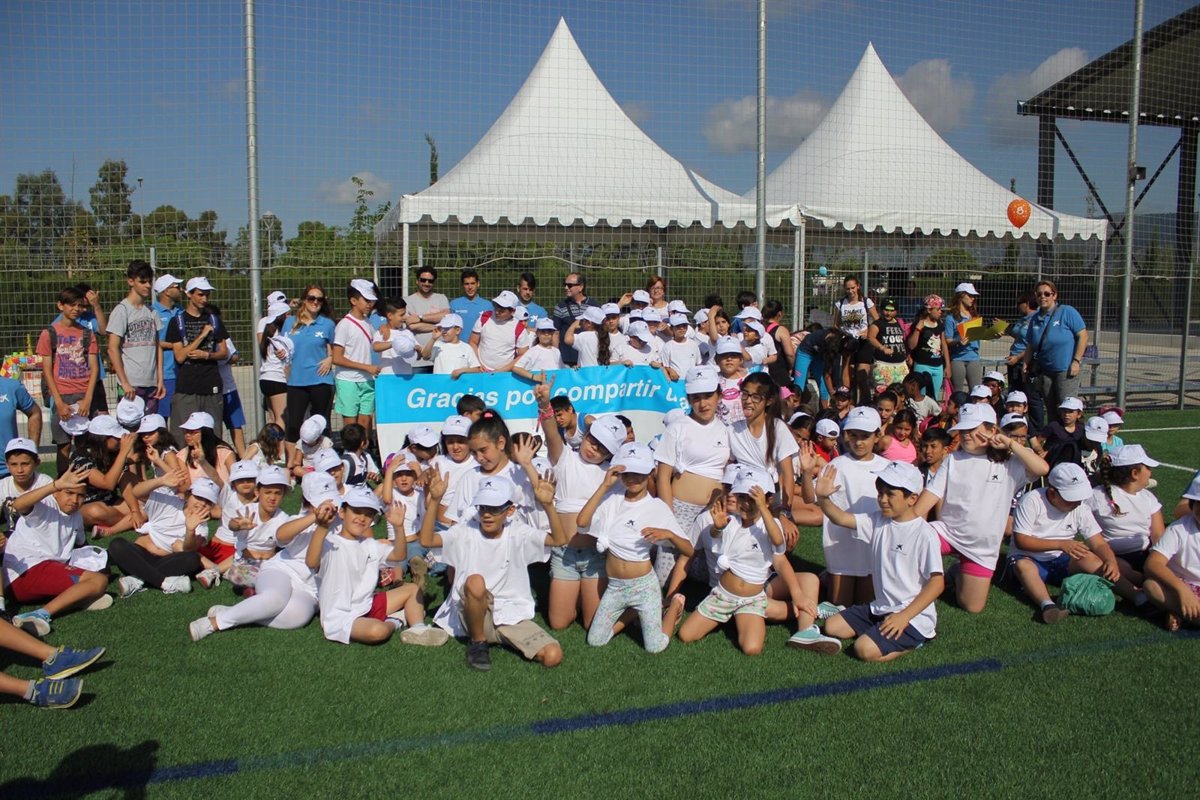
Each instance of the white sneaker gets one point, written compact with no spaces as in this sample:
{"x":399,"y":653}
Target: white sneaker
{"x":425,"y":636}
{"x":212,"y":610}
{"x":209,"y":578}
{"x":199,"y":628}
{"x":129,"y":585}
{"x":100,"y":603}
{"x":176,"y":584}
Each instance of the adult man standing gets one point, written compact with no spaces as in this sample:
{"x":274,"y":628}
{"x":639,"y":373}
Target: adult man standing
{"x":133,"y":339}
{"x":470,"y":305}
{"x":198,"y":338}
{"x":425,"y":310}
{"x":526,"y":286}
{"x":575,"y":301}
{"x":168,"y":290}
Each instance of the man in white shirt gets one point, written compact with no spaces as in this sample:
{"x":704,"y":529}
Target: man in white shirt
{"x":425,"y":310}
{"x":498,"y":338}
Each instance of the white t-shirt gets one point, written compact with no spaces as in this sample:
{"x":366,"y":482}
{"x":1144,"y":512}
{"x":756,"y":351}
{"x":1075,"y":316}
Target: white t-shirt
{"x":977,"y":495}
{"x":904,"y":556}
{"x":748,"y":450}
{"x":538,"y":358}
{"x":392,"y":363}
{"x":9,"y":490}
{"x":262,"y":536}
{"x":164,"y":520}
{"x":463,"y":506}
{"x":414,"y":513}
{"x":746,"y":551}
{"x":758,"y":352}
{"x":577,"y":481}
{"x":640,"y":353}
{"x":855,"y":318}
{"x":503,"y":562}
{"x":588,"y":346}
{"x":498,"y":341}
{"x":1180,"y":543}
{"x":680,"y":356}
{"x":1036,"y":517}
{"x":308,"y":450}
{"x":290,"y":560}
{"x":700,"y":535}
{"x":346,"y":582}
{"x":453,"y":471}
{"x":618,"y":523}
{"x":356,"y":336}
{"x":280,"y":350}
{"x":845,"y":552}
{"x":448,"y":356}
{"x":232,"y":506}
{"x":44,"y":534}
{"x":688,"y":446}
{"x":1125,"y":521}
{"x":225,"y":368}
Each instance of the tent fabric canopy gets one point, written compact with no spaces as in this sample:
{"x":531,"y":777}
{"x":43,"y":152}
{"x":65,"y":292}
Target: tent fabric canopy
{"x":564,"y":152}
{"x":874,"y":163}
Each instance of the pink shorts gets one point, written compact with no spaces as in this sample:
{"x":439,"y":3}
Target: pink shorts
{"x":378,"y":607}
{"x":968,"y":567}
{"x":44,"y":581}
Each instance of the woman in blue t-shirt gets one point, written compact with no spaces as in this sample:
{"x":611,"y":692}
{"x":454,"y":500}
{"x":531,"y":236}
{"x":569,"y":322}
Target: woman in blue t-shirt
{"x":966,"y":370}
{"x":1052,"y":360}
{"x":310,"y":381}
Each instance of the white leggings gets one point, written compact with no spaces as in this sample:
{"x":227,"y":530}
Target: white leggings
{"x":278,"y":602}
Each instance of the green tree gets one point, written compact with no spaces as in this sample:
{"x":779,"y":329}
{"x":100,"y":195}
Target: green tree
{"x":433,"y":159}
{"x":43,"y":210}
{"x":111,"y":202}
{"x":364,"y":219}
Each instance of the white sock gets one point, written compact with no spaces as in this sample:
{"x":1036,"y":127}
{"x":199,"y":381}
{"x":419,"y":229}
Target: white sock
{"x":1046,"y":603}
{"x":29,"y":692}
{"x":396,"y":622}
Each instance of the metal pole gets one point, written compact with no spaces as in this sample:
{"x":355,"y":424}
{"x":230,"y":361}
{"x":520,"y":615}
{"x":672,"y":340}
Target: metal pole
{"x":252,"y":196}
{"x":760,"y":210}
{"x":375,"y":264}
{"x":1187,"y":327}
{"x":404,"y":260}
{"x":797,"y":281}
{"x":1100,"y":297}
{"x":658,"y":264}
{"x":153,"y":258}
{"x":866,"y":276}
{"x":1135,"y":96}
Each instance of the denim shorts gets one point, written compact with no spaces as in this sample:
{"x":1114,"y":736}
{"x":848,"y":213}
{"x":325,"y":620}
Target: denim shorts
{"x":576,"y":564}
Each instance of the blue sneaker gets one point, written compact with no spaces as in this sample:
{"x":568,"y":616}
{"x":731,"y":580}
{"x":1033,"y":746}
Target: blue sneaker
{"x":825,"y":610}
{"x":66,"y":661}
{"x":36,"y":622}
{"x":56,"y":694}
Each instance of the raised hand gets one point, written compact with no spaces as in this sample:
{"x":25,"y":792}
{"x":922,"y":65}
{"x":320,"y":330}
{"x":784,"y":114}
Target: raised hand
{"x":826,"y":483}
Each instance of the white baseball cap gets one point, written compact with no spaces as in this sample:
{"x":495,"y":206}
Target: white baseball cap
{"x":520,"y":313}
{"x":1096,"y":429}
{"x":541,"y":465}
{"x":106,"y":425}
{"x":677,"y":307}
{"x":611,"y":310}
{"x":727,"y":345}
{"x":403,"y":346}
{"x":756,"y":326}
{"x":799,"y":415}
{"x":730,"y":475}
{"x":1112,"y":418}
{"x":1071,"y":482}
{"x":403,"y":461}
{"x":702,"y":379}
{"x":1071,"y":404}
{"x":677,"y":319}
{"x":634,"y":313}
{"x":200,"y":419}
{"x":151,"y":423}
{"x":593,"y":314}
{"x":456,"y":425}
{"x":276,"y":297}
{"x":130,"y":412}
{"x":670,"y":418}
{"x":74,"y":425}
{"x":651,"y":315}
{"x":981,"y":391}
{"x":205,"y":489}
{"x":164,"y":282}
{"x":1193,"y":490}
{"x":495,"y":490}
{"x":1010,"y":419}
{"x":424,"y":436}
{"x":609,"y":432}
{"x":902,"y":475}
{"x":637,"y":459}
{"x":863,"y":418}
{"x":994,"y":376}
{"x":313,"y":429}
{"x":243,"y":470}
{"x":20,"y":445}
{"x":828,"y":427}
{"x":450,"y":321}
{"x":749,"y":477}
{"x":362,"y":497}
{"x":273,"y":475}
{"x":317,"y":487}
{"x":275,"y":309}
{"x":641,"y":296}
{"x":506,"y":299}
{"x":326,"y":460}
{"x":365,"y":288}
{"x":973,"y":415}
{"x":544,"y":324}
{"x":700,"y":317}
{"x":969,"y":288}
{"x":749,"y":312}
{"x":1127,"y":455}
{"x":199,"y":283}
{"x":640,"y":330}
{"x":1016,"y":397}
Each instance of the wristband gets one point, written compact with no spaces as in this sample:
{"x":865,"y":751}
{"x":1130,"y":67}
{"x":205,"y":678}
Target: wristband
{"x":545,"y":415}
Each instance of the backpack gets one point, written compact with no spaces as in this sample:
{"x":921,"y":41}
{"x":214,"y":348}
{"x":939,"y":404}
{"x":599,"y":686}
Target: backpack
{"x":52,"y":337}
{"x":1087,"y":595}
{"x":485,"y":316}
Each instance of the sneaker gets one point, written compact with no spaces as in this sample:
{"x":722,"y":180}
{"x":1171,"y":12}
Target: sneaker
{"x":478,"y":656}
{"x":425,"y":636}
{"x":176,"y":584}
{"x":212,"y":610}
{"x":100,"y":603}
{"x":825,"y":610}
{"x":208,"y":578}
{"x":200,"y":628}
{"x":812,"y":639}
{"x":36,"y":623}
{"x":1053,"y":613}
{"x":56,"y":694}
{"x":67,"y":661}
{"x":129,"y":585}
{"x":418,"y":568}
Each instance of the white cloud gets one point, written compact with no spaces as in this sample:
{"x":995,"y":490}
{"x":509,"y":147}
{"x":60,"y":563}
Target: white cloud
{"x":345,"y":192}
{"x":637,"y":111}
{"x":1005,"y":126}
{"x":942,"y":99}
{"x":731,"y":126}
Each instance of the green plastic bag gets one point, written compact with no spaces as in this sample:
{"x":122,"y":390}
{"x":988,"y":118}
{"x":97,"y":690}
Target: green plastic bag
{"x":1087,"y":595}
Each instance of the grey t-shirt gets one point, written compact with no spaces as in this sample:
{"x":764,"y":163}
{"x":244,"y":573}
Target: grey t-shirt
{"x":419,"y":305}
{"x":138,"y":327}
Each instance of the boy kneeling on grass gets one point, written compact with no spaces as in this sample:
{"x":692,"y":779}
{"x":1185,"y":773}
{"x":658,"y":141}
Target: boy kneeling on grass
{"x":1046,"y":547}
{"x":491,"y":601}
{"x":906,"y":566}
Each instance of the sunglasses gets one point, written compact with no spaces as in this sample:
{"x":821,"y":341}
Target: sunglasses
{"x":424,"y":280}
{"x":1045,"y":294}
{"x":493,"y":511}
{"x":569,"y":285}
{"x":315,"y":298}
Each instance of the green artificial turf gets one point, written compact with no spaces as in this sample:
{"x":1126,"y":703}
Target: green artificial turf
{"x":1090,"y":707}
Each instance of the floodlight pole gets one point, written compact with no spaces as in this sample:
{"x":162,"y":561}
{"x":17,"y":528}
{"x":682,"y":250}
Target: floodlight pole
{"x":252,"y":196}
{"x":760,"y":210}
{"x":1135,"y":94}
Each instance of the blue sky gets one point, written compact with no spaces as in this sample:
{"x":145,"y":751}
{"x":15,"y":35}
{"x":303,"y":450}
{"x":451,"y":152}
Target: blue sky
{"x":352,"y":87}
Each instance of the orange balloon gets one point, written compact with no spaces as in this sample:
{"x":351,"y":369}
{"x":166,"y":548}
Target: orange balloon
{"x":1018,"y":212}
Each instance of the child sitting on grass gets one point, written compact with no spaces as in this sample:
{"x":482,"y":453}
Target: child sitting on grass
{"x":1173,"y":566}
{"x":56,"y":688}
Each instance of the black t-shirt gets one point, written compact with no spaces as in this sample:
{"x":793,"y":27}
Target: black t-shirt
{"x":890,"y":334}
{"x":197,"y":376}
{"x":929,"y":347}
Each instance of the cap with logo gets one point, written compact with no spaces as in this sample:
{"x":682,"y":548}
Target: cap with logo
{"x":243,"y":470}
{"x":20,"y":445}
{"x":981,"y":391}
{"x":424,"y":436}
{"x":1071,"y":404}
{"x":106,"y":425}
{"x":365,"y":288}
{"x":828,"y":428}
{"x":1096,"y":430}
{"x":593,"y":314}
{"x":272,"y":475}
{"x":506,"y":299}
{"x":205,"y":489}
{"x":1071,"y":482}
{"x":727,"y":346}
{"x":973,"y":415}
{"x":1013,"y":419}
{"x":199,"y":283}
{"x":326,"y":460}
{"x":863,"y":418}
{"x":544,"y":324}
{"x":902,"y":475}
{"x":197,"y":420}
{"x":313,"y":429}
{"x":702,"y":379}
{"x":1016,"y":397}
{"x":641,"y":296}
{"x":130,"y":411}
{"x":361,"y":497}
{"x":608,"y":431}
{"x":635,"y":458}
{"x":319,"y":487}
{"x":456,"y":425}
{"x":1128,"y":455}
{"x":495,"y":491}
{"x":450,"y":321}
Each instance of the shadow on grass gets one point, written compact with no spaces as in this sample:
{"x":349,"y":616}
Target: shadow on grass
{"x":76,"y":775}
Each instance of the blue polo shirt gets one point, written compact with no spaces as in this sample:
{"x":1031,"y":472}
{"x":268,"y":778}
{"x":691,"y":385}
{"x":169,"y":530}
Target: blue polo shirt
{"x":960,"y":352}
{"x":535,"y":312}
{"x":1058,"y":349}
{"x":311,"y":343}
{"x":168,"y":359}
{"x":13,"y":397}
{"x":469,"y":310}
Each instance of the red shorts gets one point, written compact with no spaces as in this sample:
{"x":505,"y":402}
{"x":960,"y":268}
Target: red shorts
{"x":378,"y":607}
{"x":217,"y":551}
{"x":967,"y":566}
{"x":46,"y":580}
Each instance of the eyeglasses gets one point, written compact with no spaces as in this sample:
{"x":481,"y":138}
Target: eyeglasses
{"x":493,"y":511}
{"x":754,"y":396}
{"x":1045,"y":294}
{"x":315,"y":298}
